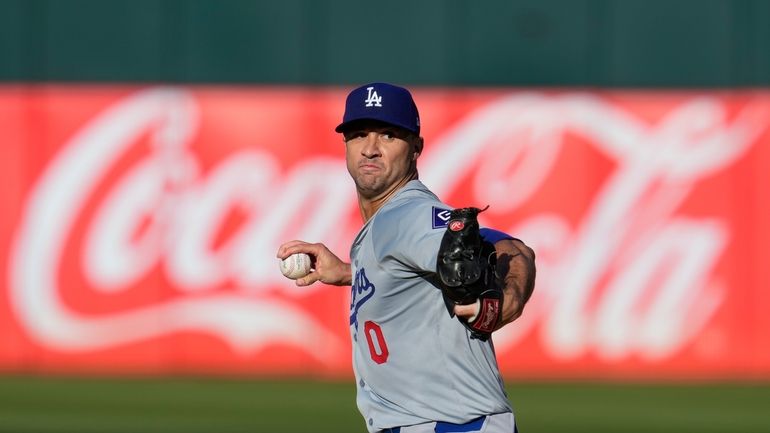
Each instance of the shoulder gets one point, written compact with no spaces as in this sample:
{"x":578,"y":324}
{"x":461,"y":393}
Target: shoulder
{"x":414,"y":208}
{"x":413,"y":216}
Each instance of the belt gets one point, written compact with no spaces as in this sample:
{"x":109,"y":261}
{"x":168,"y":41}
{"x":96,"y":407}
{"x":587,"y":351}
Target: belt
{"x":448,"y":427}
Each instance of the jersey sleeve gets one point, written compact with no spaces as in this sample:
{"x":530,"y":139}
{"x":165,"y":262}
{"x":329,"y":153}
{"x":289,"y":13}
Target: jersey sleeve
{"x":493,"y":236}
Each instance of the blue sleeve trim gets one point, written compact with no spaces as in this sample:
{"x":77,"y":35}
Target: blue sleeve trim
{"x":494,"y":236}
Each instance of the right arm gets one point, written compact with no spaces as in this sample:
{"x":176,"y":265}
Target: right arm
{"x":326,"y":267}
{"x":516,"y":268}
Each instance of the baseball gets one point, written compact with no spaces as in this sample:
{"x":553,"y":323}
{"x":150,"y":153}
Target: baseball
{"x":295,"y":266}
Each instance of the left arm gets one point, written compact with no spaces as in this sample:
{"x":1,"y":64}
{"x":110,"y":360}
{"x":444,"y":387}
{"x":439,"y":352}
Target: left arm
{"x":516,"y":274}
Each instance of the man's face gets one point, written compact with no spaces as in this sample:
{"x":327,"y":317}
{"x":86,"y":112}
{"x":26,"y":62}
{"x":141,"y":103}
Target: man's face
{"x":379,"y":156}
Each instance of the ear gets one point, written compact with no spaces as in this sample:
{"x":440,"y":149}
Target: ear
{"x":418,"y":144}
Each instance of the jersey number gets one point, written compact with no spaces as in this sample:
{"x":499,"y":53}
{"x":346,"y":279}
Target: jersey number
{"x":378,"y":351}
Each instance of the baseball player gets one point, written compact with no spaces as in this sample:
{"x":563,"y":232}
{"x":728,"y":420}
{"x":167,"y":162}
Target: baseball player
{"x":428,"y":285}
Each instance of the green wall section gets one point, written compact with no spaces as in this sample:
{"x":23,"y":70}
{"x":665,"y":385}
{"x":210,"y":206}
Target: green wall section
{"x":621,"y":43}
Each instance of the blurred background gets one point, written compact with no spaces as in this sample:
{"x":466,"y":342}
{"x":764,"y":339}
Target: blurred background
{"x":156,"y":153}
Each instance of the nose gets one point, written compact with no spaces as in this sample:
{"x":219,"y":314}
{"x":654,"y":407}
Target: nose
{"x":371,"y":148}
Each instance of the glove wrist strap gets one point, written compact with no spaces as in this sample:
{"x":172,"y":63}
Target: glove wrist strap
{"x":488,"y":316}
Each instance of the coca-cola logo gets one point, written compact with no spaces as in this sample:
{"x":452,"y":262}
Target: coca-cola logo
{"x":184,"y":210}
{"x":630,"y":248}
{"x":629,"y":245}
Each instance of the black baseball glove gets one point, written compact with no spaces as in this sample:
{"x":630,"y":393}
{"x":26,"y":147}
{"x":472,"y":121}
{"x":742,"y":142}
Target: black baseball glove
{"x":466,"y":268}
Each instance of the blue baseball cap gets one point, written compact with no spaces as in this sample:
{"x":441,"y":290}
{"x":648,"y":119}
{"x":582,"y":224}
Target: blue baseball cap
{"x":384,"y":102}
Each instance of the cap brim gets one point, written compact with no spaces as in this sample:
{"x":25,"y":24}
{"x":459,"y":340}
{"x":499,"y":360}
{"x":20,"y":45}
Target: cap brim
{"x":345,"y":125}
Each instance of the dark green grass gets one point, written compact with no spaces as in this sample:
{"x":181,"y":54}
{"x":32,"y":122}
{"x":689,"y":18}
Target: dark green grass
{"x":191,"y":405}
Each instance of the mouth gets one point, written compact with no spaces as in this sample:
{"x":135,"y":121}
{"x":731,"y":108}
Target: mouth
{"x":368,"y":166}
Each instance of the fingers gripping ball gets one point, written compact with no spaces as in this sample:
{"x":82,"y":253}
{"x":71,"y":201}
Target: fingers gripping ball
{"x":466,"y":268}
{"x":296,"y":266}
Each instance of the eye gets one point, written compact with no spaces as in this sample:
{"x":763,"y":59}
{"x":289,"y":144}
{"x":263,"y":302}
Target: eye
{"x":388,"y":135}
{"x":354,"y":135}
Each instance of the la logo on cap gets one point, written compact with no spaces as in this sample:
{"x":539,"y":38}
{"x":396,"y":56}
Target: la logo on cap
{"x":372,"y":99}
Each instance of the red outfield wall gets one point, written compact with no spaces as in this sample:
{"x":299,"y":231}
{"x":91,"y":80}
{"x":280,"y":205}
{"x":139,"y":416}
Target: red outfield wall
{"x":139,"y":226}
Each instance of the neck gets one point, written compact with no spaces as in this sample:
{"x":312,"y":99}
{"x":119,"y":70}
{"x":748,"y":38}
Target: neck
{"x":368,"y":206}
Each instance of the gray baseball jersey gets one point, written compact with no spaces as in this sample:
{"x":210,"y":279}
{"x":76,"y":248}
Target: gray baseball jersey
{"x":413,"y":362}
